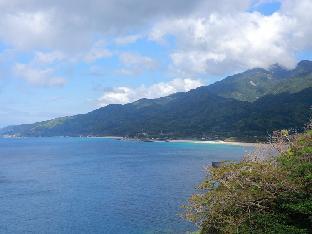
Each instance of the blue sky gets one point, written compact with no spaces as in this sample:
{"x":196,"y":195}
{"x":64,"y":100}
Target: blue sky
{"x":62,"y":58}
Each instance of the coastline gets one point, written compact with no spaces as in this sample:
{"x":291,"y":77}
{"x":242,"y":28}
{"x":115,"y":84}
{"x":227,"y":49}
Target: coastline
{"x":217,"y":142}
{"x":119,"y":138}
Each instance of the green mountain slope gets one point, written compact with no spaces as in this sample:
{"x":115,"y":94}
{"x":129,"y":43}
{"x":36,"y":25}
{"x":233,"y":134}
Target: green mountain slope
{"x":258,"y":82}
{"x":225,"y":109}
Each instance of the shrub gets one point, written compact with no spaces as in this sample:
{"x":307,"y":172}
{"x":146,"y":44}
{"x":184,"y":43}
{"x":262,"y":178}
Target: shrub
{"x":258,"y":194}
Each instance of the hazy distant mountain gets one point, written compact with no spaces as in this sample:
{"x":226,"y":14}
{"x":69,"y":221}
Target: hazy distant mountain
{"x":246,"y":105}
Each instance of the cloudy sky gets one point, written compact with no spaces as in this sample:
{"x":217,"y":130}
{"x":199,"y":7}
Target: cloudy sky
{"x":60,"y":58}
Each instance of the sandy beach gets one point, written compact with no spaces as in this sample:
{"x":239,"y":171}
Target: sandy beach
{"x":215,"y":142}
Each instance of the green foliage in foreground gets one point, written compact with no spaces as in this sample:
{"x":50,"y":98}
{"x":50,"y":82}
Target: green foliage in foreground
{"x":272,"y":195}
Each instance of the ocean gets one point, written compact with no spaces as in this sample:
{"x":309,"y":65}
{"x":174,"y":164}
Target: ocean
{"x":101,"y":185}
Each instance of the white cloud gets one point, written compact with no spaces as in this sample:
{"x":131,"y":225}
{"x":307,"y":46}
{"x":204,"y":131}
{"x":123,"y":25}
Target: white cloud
{"x":257,"y":3}
{"x":127,"y":39}
{"x":122,"y":95}
{"x":23,"y":29}
{"x":40,"y":70}
{"x":134,"y":64}
{"x":49,"y":57}
{"x":37,"y":76}
{"x":72,"y":25}
{"x":88,"y":55}
{"x":228,"y":42}
{"x":213,"y":37}
{"x":300,"y":12}
{"x":98,"y":51}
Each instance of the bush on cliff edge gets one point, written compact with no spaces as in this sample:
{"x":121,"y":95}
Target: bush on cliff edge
{"x":270,"y":194}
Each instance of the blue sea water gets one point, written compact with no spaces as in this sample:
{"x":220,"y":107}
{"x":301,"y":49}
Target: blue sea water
{"x":97,"y":185}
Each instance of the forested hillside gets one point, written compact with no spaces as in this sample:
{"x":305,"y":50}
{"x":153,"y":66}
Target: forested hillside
{"x":245,"y":106}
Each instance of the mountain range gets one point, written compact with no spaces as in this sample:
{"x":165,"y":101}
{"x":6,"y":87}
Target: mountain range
{"x":246,"y":106}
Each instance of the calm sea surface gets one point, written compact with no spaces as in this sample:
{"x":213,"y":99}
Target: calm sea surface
{"x":97,"y":185}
